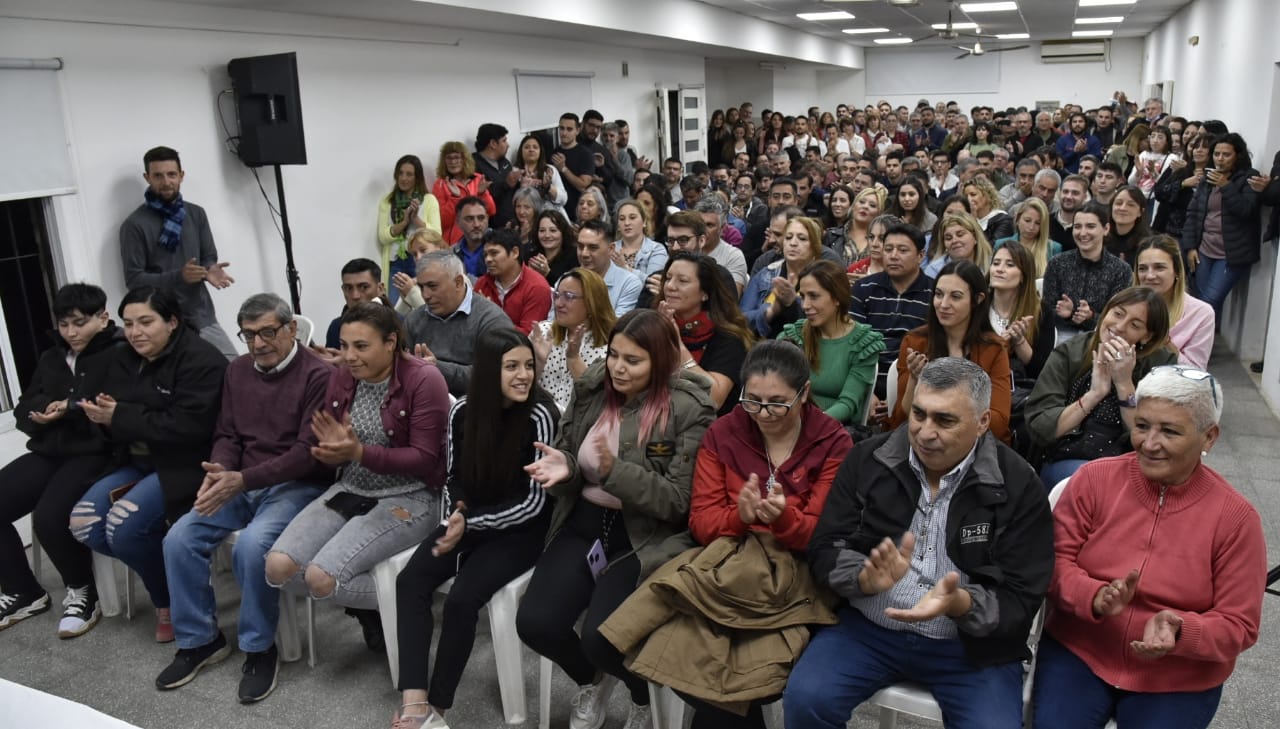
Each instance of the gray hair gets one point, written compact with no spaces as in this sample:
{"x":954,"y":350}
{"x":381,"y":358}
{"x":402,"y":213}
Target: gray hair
{"x":260,"y":305}
{"x":600,"y":201}
{"x":1047,"y":172}
{"x":712,"y":204}
{"x":1172,"y":384}
{"x":531,"y":196}
{"x":946,"y":373}
{"x":446,"y":259}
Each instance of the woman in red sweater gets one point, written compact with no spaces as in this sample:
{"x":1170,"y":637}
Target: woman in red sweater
{"x":767,"y":465}
{"x":457,"y":179}
{"x":1159,"y":574}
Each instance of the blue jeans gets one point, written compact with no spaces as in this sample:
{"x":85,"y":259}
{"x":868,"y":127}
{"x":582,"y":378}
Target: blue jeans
{"x":1054,"y":471}
{"x":404,"y":265}
{"x":847,"y":663}
{"x":131,"y":530}
{"x":261,"y":515}
{"x":1215,"y":279}
{"x":1067,"y":695}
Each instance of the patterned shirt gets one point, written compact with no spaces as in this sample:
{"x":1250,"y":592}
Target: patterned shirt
{"x":555,"y":377}
{"x":366,"y":421}
{"x":930,"y":561}
{"x":1079,"y":278}
{"x":876,"y":301}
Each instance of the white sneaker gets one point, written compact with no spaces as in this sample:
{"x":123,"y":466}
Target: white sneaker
{"x":640,"y":717}
{"x":590,"y":704}
{"x":80,"y":612}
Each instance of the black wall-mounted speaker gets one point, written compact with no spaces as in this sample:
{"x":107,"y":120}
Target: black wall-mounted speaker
{"x":270,"y":110}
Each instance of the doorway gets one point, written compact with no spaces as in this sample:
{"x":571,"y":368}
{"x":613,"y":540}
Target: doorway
{"x":27,"y":284}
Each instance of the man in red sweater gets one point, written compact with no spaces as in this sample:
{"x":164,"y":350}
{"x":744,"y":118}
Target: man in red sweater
{"x":523,"y":294}
{"x":257,"y":479}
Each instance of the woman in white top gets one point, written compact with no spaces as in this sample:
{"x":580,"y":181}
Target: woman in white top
{"x":1151,"y":162}
{"x":567,"y":344}
{"x":1191,"y":320}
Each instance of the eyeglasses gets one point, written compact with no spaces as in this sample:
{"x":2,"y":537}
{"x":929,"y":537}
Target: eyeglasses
{"x":680,"y":241}
{"x":568,"y":296}
{"x":268,"y":334}
{"x":1198,"y":375}
{"x":776,"y":409}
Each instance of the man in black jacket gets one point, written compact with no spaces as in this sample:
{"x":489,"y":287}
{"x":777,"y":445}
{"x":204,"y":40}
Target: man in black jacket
{"x":950,"y":605}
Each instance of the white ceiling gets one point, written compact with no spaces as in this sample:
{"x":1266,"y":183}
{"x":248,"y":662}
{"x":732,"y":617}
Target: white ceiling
{"x":1043,"y":19}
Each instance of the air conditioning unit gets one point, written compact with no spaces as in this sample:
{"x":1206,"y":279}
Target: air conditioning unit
{"x":1073,"y":51}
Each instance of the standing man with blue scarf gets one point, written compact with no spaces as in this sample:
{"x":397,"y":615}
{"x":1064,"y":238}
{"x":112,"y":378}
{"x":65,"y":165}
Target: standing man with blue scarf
{"x":166,"y":243}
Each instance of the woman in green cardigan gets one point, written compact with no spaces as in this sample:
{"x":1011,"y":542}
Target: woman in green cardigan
{"x":842,"y":353}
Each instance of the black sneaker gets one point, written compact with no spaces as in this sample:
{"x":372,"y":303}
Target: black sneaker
{"x":259,"y":678}
{"x":16,"y":608}
{"x":188,"y":662}
{"x":80,"y":612}
{"x":371,"y":626}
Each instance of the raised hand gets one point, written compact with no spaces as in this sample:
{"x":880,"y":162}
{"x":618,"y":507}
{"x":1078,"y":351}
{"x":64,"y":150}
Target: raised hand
{"x":748,"y":499}
{"x":404,"y":283}
{"x":772,"y":505}
{"x":218,"y":276}
{"x":1123,"y":357}
{"x":1112,"y":598}
{"x":944,"y":598}
{"x":1083,"y":312}
{"x":605,"y":454}
{"x":1065,"y":307}
{"x":1159,"y":635}
{"x":574,"y":339}
{"x":784,"y":290}
{"x":332,"y":356}
{"x":337,"y":442}
{"x":541,"y":340}
{"x":886,"y":564}
{"x":193,"y":272}
{"x":550,"y":469}
{"x":1100,"y":376}
{"x":421,"y":351}
{"x":916,"y":362}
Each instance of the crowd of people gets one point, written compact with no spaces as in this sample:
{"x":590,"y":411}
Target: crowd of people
{"x":782,"y":423}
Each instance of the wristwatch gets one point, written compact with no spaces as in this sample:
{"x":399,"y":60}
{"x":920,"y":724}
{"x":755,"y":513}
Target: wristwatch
{"x":1130,"y":402}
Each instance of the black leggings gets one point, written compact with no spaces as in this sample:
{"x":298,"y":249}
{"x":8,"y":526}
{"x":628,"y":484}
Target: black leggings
{"x":490,"y":558}
{"x":47,"y":488}
{"x":562,"y":587}
{"x":706,"y":716}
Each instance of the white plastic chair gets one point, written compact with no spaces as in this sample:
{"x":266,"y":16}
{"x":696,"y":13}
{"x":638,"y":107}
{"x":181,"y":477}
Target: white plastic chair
{"x":502,"y":631}
{"x":668,"y":709}
{"x":871,"y":392}
{"x":891,"y":388}
{"x":306,"y":328}
{"x":916,"y":700}
{"x":104,"y":577}
{"x":287,"y":630}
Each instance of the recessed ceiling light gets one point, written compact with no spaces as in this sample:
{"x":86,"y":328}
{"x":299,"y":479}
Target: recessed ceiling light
{"x":829,"y":15}
{"x":1101,"y":3}
{"x":1100,"y":21}
{"x":955,"y":26}
{"x":892,"y":41}
{"x":1013,"y":36}
{"x":860,"y":31}
{"x":1091,"y":33}
{"x":988,"y":7}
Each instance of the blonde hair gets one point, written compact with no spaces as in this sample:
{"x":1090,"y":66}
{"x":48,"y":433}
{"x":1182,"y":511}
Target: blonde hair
{"x":1039,"y":248}
{"x":1178,"y":296}
{"x":595,"y":295}
{"x":981,"y":248}
{"x":988,"y":191}
{"x":468,"y":164}
{"x":429,"y":239}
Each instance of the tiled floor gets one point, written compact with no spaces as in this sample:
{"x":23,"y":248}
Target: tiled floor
{"x":113,"y":667}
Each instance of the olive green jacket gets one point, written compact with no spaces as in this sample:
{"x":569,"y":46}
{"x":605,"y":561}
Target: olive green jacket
{"x":654,"y":480}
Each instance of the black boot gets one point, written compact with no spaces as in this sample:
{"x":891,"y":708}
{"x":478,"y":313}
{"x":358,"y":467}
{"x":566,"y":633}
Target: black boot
{"x":371,"y":626}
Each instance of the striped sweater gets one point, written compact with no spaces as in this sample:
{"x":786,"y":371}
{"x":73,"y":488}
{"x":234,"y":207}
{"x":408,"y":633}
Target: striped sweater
{"x":522,"y":498}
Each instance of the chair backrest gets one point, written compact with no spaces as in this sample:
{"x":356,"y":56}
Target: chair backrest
{"x":871,"y":392}
{"x":1056,"y":493}
{"x":891,"y":388}
{"x":305,"y":329}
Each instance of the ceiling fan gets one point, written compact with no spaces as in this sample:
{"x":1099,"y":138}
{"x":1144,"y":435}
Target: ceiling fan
{"x":978,"y":50}
{"x":951,"y":33}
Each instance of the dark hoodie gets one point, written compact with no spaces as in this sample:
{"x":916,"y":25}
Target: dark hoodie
{"x":72,"y":434}
{"x":170,"y":405}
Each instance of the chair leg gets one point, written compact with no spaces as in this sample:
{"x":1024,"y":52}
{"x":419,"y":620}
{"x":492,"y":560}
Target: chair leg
{"x":128,"y":593}
{"x":544,"y":693}
{"x":667,"y":707}
{"x":888,"y":718}
{"x":311,"y":632}
{"x":287,"y":629}
{"x":506,"y":651}
{"x":104,"y":575}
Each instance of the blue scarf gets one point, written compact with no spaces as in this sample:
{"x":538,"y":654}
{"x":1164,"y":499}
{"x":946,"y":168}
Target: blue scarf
{"x":174,"y":213}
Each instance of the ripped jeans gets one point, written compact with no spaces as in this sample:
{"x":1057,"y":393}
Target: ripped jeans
{"x":131,"y":530}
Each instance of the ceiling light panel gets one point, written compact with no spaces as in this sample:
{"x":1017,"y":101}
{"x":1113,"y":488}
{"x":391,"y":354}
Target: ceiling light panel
{"x":864,"y":31}
{"x":955,"y":26}
{"x":1100,"y":21}
{"x":892,"y":41}
{"x":988,"y":7}
{"x":1013,"y":36}
{"x":829,"y":15}
{"x":1091,"y":33}
{"x":1104,"y":3}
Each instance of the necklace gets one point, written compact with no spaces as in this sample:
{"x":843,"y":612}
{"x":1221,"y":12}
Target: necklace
{"x":773,"y":469}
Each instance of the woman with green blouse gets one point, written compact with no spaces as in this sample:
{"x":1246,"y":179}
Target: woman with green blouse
{"x":842,"y":353}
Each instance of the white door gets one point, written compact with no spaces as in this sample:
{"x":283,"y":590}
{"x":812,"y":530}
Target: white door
{"x":692,"y":114}
{"x":663,"y":126}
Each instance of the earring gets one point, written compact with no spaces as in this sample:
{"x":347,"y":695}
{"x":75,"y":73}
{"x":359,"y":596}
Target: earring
{"x":1204,"y":454}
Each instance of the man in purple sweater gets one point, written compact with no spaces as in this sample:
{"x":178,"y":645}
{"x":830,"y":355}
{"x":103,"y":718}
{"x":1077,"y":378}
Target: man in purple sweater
{"x":258,"y":478}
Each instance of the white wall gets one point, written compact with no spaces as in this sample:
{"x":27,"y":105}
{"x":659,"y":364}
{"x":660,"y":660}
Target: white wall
{"x":1245,"y":93}
{"x":370,"y":93}
{"x":795,"y":88}
{"x":731,"y":82}
{"x":842,"y":86}
{"x":1025,"y":80}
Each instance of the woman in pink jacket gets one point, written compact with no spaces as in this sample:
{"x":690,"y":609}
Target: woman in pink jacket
{"x":1159,"y":573}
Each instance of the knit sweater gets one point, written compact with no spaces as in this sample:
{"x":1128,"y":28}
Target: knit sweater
{"x":452,"y":339}
{"x":264,"y":427}
{"x":1079,"y":278}
{"x":146,"y":263}
{"x":846,"y":369}
{"x":1201,"y":552}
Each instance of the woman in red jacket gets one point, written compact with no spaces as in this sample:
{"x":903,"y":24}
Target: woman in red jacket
{"x":766,"y":465}
{"x":1159,"y":573}
{"x":456,"y":179}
